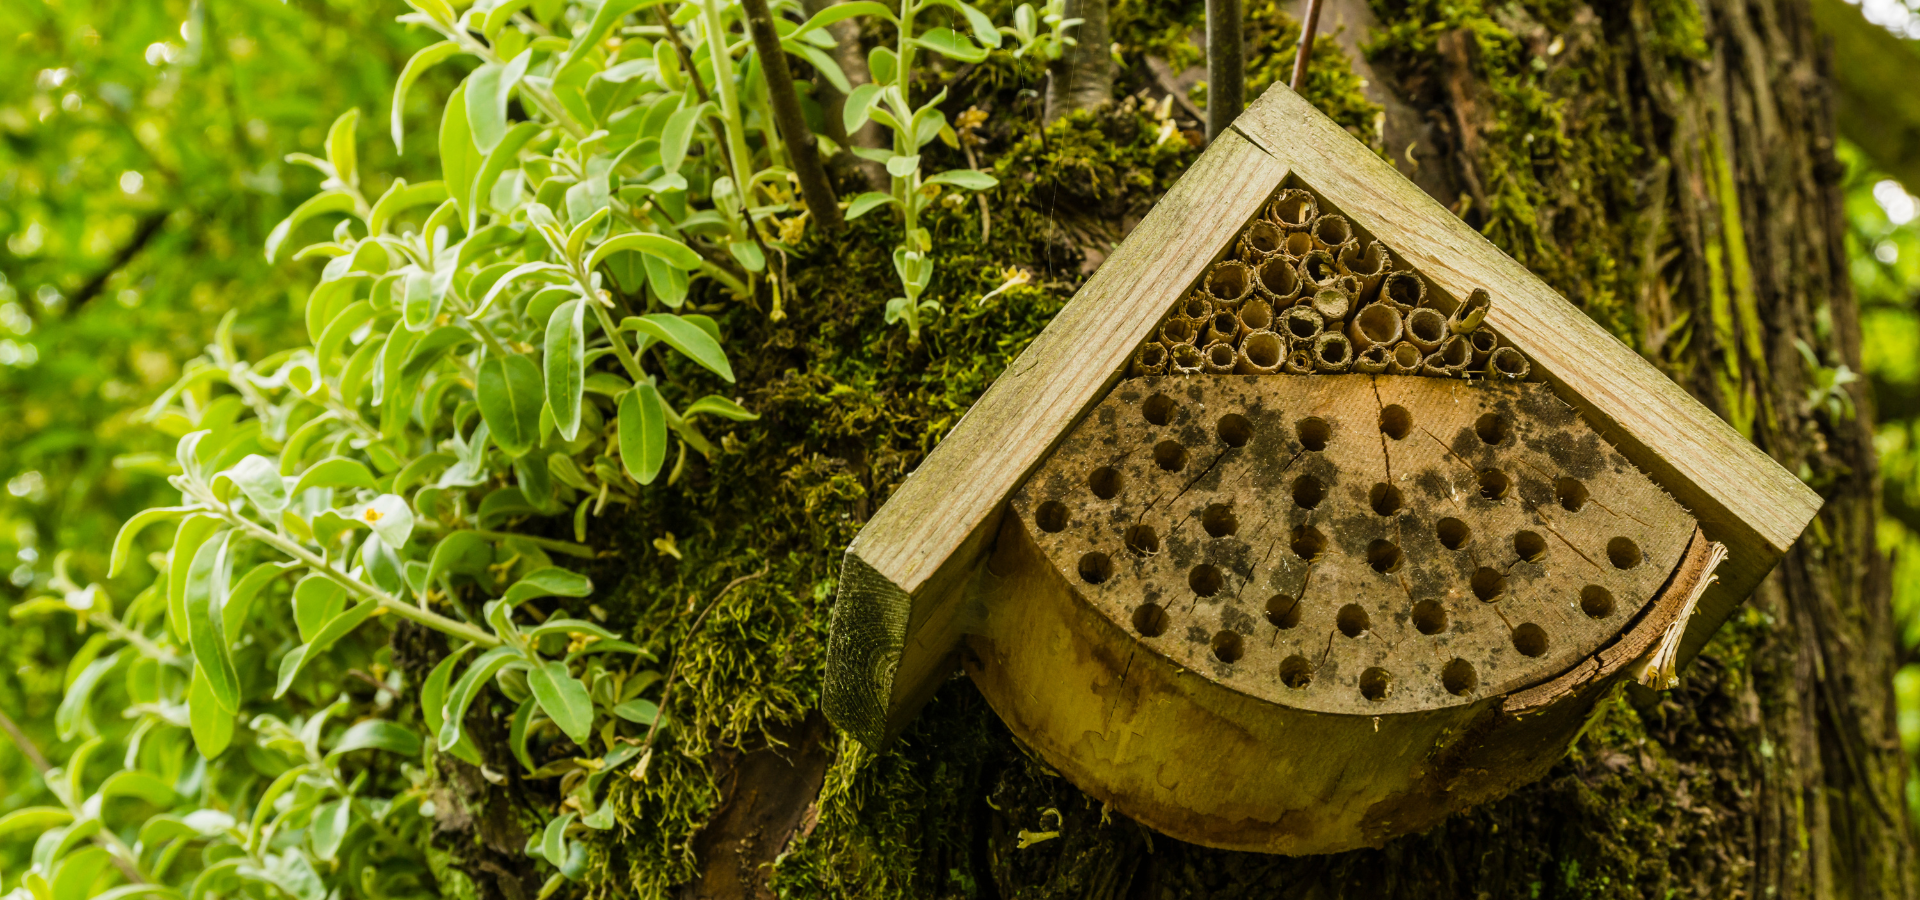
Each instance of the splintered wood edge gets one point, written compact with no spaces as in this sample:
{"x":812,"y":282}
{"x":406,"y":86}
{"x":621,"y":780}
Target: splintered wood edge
{"x":889,"y":644}
{"x":1742,"y":497}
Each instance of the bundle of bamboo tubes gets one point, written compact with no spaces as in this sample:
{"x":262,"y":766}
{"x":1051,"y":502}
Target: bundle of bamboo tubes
{"x":1301,"y":292}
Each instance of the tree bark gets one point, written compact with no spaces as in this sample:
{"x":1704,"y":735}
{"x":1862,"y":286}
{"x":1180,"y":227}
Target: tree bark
{"x":802,"y":149}
{"x":1082,"y":78}
{"x":853,"y":63}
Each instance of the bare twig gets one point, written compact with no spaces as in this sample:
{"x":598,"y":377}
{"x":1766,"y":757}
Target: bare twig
{"x":802,"y":150}
{"x":1300,"y":56}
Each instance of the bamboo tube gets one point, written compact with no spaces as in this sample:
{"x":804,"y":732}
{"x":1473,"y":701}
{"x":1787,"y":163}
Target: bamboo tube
{"x":1371,"y":361}
{"x":1450,"y":360}
{"x":1150,"y":359}
{"x":1483,"y":341}
{"x":1278,"y":281}
{"x":1426,"y":328}
{"x":1299,"y":362}
{"x":1263,"y":239}
{"x":1370,"y":265}
{"x":1318,"y":270}
{"x":1405,"y":290}
{"x":1506,"y":364}
{"x":1330,"y":231}
{"x":1300,"y":324}
{"x":1177,"y":331}
{"x":1471,"y":312}
{"x":1219,"y":358}
{"x":1293,"y":210}
{"x":1375,"y":325}
{"x":1261,"y":353}
{"x":1230,"y":280}
{"x":1198,"y":306}
{"x":1223,"y":326}
{"x":1255,"y":315}
{"x":1405,"y":359}
{"x":1183,"y":359}
{"x":1332,"y":352}
{"x":1332,"y":304}
{"x":1352,"y":286}
{"x":1297,"y":245}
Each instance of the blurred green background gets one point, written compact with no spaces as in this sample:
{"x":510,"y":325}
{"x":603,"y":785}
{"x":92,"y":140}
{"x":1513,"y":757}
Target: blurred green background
{"x":141,"y":167}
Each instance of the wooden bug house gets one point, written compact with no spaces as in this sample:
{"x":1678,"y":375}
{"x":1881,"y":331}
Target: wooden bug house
{"x":1312,"y":519}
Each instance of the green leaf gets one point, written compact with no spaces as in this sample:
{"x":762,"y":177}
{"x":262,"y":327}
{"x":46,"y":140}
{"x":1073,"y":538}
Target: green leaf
{"x":437,"y":343}
{"x":498,"y":161}
{"x":459,"y":160}
{"x":239,"y":604}
{"x":674,"y":252}
{"x":840,"y":12}
{"x":319,"y":204}
{"x":335,"y":472}
{"x":402,"y":196}
{"x":35,"y":819}
{"x":509,"y":396}
{"x":668,"y":281}
{"x":609,"y":14}
{"x":186,"y":542}
{"x":139,"y":784}
{"x":859,"y":103}
{"x":866,"y":203}
{"x":690,"y":339}
{"x":551,"y":581}
{"x":903,"y":166}
{"x":259,"y":478}
{"x":73,"y":876}
{"x":469,"y":687}
{"x":316,"y":600}
{"x":564,"y":699}
{"x":335,"y":629}
{"x":553,"y":841}
{"x":515,"y":274}
{"x":427,"y":58}
{"x":884,"y":64}
{"x":390,"y":518}
{"x":951,"y":44}
{"x":968,"y":179}
{"x":488,"y":90}
{"x":977,"y":21}
{"x":378,"y":734}
{"x":566,"y":347}
{"x":330,"y":824}
{"x":263,"y":808}
{"x":639,"y":712}
{"x":211,"y":725}
{"x":340,"y":150}
{"x":714,"y":404}
{"x":678,"y":134}
{"x":462,"y":551}
{"x":643,"y":433}
{"x":207,"y":581}
{"x":123,"y":541}
{"x":433,"y":691}
{"x":517,"y":732}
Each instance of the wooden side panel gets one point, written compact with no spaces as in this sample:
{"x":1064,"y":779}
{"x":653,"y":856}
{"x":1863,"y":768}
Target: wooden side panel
{"x":898,"y":612}
{"x":1742,"y":497}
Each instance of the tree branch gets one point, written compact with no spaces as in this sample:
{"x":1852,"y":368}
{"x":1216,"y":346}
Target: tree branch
{"x":143,"y":234}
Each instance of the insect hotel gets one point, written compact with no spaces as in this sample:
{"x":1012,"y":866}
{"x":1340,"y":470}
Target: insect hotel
{"x":1311,"y":520}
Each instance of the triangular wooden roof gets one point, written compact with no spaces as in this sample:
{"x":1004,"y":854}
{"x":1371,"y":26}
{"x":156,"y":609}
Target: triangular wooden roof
{"x":909,"y":575}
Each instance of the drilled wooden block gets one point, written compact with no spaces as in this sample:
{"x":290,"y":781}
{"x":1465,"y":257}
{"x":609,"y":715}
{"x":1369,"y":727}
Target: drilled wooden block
{"x":1353,"y":544}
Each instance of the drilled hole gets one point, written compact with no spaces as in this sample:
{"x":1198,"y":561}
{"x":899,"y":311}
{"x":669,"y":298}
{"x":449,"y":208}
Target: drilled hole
{"x":1375,"y":684}
{"x":1308,"y":492}
{"x":1494,"y":484}
{"x":1283,"y":612}
{"x":1105,"y":482}
{"x":1159,"y":409}
{"x":1227,"y":647}
{"x":1488,"y":584}
{"x":1384,"y":556}
{"x":1150,"y":620}
{"x":1296,"y":672}
{"x":1454,"y":533}
{"x":1571,"y":493}
{"x":1491,"y":428}
{"x":1142,"y":540}
{"x":1530,"y":640}
{"x":1396,"y":422}
{"x":1314,"y":433}
{"x":1386,"y":499}
{"x":1095,"y":567}
{"x":1352,"y":620}
{"x":1623,"y":553}
{"x":1596,"y":601}
{"x":1169,"y":455}
{"x":1051,"y":517}
{"x":1459,"y":678}
{"x":1219,"y":520}
{"x":1205,"y":580}
{"x":1530,"y":546}
{"x":1235,"y":430}
{"x":1430,"y":616}
{"x":1308,"y":543}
